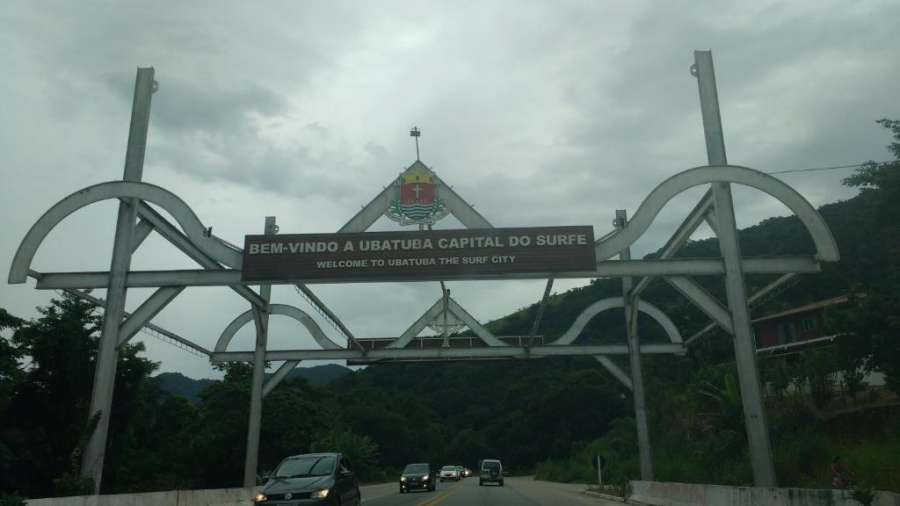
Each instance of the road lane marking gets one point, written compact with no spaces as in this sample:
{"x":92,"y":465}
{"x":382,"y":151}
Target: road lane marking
{"x":437,"y":499}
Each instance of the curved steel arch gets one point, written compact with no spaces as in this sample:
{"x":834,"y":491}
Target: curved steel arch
{"x":826,"y":247}
{"x":281,"y":309}
{"x":171,"y":203}
{"x":612,"y":303}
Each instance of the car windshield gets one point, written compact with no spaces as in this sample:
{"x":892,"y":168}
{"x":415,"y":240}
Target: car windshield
{"x":490,"y":466}
{"x":416,"y":469}
{"x":298,"y":467}
{"x":448,"y":468}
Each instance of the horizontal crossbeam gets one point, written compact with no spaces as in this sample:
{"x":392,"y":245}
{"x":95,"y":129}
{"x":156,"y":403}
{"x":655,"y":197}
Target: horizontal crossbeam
{"x":447,"y":353}
{"x":613,"y":268}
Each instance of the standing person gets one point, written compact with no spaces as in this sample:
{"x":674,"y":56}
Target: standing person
{"x":840,"y":474}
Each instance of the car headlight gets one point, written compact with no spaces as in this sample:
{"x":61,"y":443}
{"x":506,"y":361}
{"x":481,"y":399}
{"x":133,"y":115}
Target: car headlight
{"x":320,"y":494}
{"x":403,"y":478}
{"x":260,"y":497}
{"x":425,"y":477}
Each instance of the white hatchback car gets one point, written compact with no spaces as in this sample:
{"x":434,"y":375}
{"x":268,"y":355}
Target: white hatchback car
{"x":449,"y":473}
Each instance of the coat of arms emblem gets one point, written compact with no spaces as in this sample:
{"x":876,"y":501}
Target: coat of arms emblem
{"x":416,"y":200}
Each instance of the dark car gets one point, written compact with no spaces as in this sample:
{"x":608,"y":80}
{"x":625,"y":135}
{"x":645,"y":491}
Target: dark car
{"x":314,"y":478}
{"x":419,"y":476}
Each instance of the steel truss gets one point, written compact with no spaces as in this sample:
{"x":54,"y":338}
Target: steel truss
{"x":220,"y":264}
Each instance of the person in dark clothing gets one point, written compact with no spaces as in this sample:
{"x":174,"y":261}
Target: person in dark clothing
{"x":840,"y":474}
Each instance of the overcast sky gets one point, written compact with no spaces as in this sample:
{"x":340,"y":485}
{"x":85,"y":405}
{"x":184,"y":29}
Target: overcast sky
{"x":538,"y":113}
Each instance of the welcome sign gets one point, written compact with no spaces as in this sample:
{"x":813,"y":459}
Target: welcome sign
{"x":418,"y":255}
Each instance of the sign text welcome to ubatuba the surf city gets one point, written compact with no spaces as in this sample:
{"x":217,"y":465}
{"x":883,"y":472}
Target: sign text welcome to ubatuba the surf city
{"x":433,"y":254}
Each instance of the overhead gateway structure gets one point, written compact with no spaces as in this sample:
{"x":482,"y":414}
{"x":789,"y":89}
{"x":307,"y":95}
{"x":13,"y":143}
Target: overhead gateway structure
{"x":418,"y":197}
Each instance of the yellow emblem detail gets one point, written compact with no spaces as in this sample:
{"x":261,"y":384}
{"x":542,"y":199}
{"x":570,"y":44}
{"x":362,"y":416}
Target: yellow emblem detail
{"x":418,"y":175}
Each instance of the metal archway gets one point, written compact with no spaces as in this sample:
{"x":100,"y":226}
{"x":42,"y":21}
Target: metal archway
{"x":222,"y":264}
{"x":826,"y":247}
{"x":167,"y":200}
{"x":612,"y":303}
{"x":277,"y":309}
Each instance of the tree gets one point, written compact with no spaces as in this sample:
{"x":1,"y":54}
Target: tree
{"x":51,"y":402}
{"x":11,"y":375}
{"x":876,"y":315}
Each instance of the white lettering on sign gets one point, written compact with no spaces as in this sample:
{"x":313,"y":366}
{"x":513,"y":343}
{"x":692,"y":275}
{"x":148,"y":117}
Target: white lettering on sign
{"x":561,"y":240}
{"x":279,"y":248}
{"x":342,"y":264}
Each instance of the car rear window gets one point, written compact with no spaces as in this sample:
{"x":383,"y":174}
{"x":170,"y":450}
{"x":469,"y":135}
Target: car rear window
{"x":491,"y":466}
{"x":416,"y":468}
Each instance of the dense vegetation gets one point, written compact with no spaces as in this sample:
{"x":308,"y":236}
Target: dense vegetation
{"x":548,"y":415}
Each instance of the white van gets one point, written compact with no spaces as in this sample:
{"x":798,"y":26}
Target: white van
{"x":491,"y":471}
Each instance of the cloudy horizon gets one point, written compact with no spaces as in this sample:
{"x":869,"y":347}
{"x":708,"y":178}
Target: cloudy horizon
{"x":536,"y":113}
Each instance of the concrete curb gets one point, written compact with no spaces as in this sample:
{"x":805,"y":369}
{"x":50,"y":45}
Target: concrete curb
{"x":601,"y":495}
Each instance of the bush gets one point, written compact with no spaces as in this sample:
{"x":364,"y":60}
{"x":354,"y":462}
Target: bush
{"x":11,"y":500}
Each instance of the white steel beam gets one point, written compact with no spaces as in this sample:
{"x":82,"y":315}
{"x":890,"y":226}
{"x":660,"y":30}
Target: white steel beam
{"x":473,"y":324}
{"x":703,"y":300}
{"x":141,"y":231}
{"x":317,"y":302}
{"x":631,"y":307}
{"x":540,"y":312}
{"x":156,"y":328}
{"x":418,"y":326}
{"x":254,"y":422}
{"x":616,"y":371}
{"x":183,"y":243}
{"x":107,"y":351}
{"x":744,"y":344}
{"x":147,"y":311}
{"x":680,"y":237}
{"x":754,"y":300}
{"x":279,"y":376}
{"x":449,"y":353}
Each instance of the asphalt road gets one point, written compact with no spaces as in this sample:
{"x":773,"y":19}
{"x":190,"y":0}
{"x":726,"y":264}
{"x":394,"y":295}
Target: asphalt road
{"x":515,"y":492}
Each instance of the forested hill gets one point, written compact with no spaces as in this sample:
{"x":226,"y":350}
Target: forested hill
{"x":178,"y":384}
{"x":850,"y":222}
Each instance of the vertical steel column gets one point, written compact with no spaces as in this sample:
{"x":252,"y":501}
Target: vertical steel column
{"x":634,"y":357}
{"x":445,"y":300}
{"x":114,"y":312}
{"x":744,"y":343}
{"x":261,"y":319}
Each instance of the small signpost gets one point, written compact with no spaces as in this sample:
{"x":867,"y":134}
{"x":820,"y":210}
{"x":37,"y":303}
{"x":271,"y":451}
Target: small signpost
{"x":599,"y":462}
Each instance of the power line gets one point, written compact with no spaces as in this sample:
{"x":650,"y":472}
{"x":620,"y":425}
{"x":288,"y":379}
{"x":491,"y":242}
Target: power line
{"x":817,"y":169}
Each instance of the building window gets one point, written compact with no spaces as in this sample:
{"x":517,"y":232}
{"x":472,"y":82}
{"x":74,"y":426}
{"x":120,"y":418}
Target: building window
{"x":786,"y":332}
{"x":807,"y":324}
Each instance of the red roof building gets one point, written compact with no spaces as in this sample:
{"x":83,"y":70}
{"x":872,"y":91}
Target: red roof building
{"x":797,"y":327}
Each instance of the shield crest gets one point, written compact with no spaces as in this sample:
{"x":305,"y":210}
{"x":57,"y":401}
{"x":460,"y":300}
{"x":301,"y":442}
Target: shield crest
{"x":416,"y":197}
